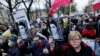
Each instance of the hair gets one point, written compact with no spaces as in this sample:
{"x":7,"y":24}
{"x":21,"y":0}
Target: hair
{"x":36,"y":36}
{"x":51,"y":37}
{"x":21,"y":23}
{"x":19,"y":40}
{"x":74,"y":34}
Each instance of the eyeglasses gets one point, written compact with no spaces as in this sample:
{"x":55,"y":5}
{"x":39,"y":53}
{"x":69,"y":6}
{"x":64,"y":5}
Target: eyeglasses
{"x":77,"y":39}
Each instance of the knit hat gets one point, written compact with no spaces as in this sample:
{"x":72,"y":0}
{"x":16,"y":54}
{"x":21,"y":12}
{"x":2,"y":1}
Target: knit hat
{"x":7,"y":34}
{"x":13,"y":39}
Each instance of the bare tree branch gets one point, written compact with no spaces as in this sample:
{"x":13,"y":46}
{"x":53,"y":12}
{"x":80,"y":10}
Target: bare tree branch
{"x":16,"y":5}
{"x":4,"y":5}
{"x":7,"y":1}
{"x":24,"y":4}
{"x":30,"y":4}
{"x":13,"y":3}
{"x":28,"y":9}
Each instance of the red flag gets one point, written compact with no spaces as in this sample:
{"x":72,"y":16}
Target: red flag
{"x":57,"y":3}
{"x":96,"y":4}
{"x":66,"y":2}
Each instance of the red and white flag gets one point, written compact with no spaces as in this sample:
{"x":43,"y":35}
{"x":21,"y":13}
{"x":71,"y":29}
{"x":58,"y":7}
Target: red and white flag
{"x":57,"y":3}
{"x":96,"y":4}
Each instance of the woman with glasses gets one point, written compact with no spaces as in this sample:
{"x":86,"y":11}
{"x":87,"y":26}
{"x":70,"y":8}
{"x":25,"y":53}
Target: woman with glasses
{"x":74,"y":47}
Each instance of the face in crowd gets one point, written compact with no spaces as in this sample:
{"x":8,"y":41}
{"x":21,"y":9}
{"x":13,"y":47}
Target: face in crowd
{"x":74,"y":39}
{"x":33,"y":31}
{"x":36,"y":40}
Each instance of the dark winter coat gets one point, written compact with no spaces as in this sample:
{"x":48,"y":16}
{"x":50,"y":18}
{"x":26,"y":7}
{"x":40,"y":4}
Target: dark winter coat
{"x":67,"y":50}
{"x":37,"y":49}
{"x":13,"y":51}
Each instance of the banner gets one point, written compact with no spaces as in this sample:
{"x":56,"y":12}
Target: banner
{"x":20,"y":15}
{"x":89,"y":42}
{"x":57,"y":3}
{"x":96,"y":4}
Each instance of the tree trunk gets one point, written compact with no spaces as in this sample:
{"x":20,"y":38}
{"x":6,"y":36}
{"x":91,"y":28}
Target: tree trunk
{"x":11,"y":10}
{"x":50,"y":3}
{"x":28,"y":15}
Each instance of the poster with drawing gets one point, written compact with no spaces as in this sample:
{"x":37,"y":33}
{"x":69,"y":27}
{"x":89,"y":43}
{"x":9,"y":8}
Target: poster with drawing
{"x":20,"y":15}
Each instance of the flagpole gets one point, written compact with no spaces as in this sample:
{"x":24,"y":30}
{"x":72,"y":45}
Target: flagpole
{"x":65,"y":10}
{"x":70,"y":8}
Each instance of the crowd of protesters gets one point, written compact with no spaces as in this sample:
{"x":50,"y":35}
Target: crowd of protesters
{"x":45,"y":35}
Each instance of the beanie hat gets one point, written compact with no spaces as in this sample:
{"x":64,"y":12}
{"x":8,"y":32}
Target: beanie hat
{"x":13,"y":39}
{"x":7,"y":33}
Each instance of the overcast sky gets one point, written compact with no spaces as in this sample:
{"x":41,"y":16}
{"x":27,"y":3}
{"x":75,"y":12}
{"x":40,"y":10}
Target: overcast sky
{"x":80,"y":4}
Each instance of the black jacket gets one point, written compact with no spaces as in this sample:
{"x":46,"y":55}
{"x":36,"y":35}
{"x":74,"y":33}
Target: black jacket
{"x":67,"y":50}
